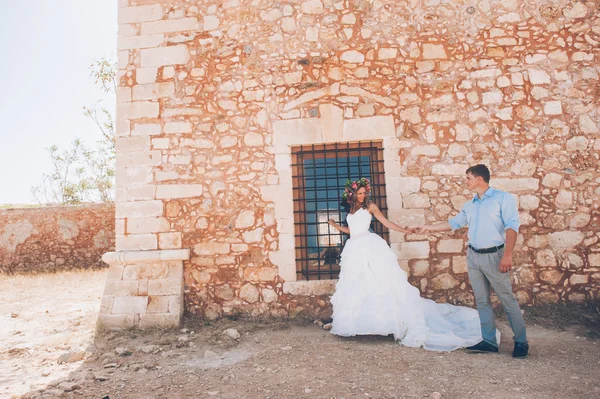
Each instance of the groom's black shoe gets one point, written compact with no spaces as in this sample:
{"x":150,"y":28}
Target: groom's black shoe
{"x":521,"y":350}
{"x":482,"y":347}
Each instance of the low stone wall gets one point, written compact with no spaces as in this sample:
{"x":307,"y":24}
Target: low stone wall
{"x":36,"y":240}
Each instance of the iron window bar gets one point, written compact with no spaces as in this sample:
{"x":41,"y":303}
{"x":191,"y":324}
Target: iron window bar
{"x":319,"y":174}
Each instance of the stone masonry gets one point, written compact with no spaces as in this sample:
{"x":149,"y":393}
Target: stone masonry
{"x":53,"y":239}
{"x":213,"y":94}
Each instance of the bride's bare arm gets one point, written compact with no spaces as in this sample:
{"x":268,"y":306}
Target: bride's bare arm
{"x":343,"y":229}
{"x":374,"y":209}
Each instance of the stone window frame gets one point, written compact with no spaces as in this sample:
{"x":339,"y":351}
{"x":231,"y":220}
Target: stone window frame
{"x":300,"y":154}
{"x":330,"y":127}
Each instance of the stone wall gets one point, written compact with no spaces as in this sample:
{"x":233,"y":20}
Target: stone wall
{"x":44,"y":239}
{"x":214,"y":93}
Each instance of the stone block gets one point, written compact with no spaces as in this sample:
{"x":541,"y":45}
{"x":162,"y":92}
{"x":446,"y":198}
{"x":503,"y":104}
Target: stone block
{"x":139,"y":42}
{"x":127,"y":15}
{"x":136,"y":242}
{"x":120,"y":288}
{"x":578,"y":279}
{"x":450,"y":170}
{"x":158,"y":304}
{"x":141,"y":225}
{"x":269,"y":295}
{"x":492,"y":97}
{"x":420,"y":268}
{"x":309,"y":288}
{"x":170,"y":191}
{"x":588,"y":126}
{"x":210,"y":23}
{"x":387,"y":53}
{"x":252,"y":236}
{"x":373,"y":127}
{"x":518,"y":185}
{"x":166,"y":320}
{"x":552,"y":180}
{"x":137,"y":110}
{"x":170,"y":25}
{"x":146,"y":129}
{"x":434,"y":51}
{"x":145,"y":75}
{"x":117,"y":321}
{"x":459,"y":264}
{"x":417,"y":201}
{"x":162,"y":56}
{"x":443,"y":282}
{"x":563,"y":240}
{"x":546,"y":258}
{"x":132,"y":144}
{"x":412,"y":115}
{"x":132,"y":160}
{"x":115,"y":271}
{"x":178,"y":127}
{"x":414,"y":250}
{"x":175,"y":255}
{"x":551,"y":277}
{"x":145,"y":192}
{"x":311,"y":7}
{"x":146,"y":271}
{"x":169,"y":240}
{"x":165,"y":287}
{"x":577,"y":143}
{"x":106,"y":304}
{"x":427,"y":150}
{"x":594,"y":259}
{"x":212,"y":248}
{"x":440,"y":116}
{"x":130,"y":304}
{"x":407,"y":217}
{"x":176,"y":304}
{"x":538,"y":77}
{"x":564,"y":199}
{"x":153,"y":91}
{"x":249,"y":293}
{"x":403,"y":185}
{"x":139,"y":209}
{"x":450,"y":246}
{"x":553,"y":108}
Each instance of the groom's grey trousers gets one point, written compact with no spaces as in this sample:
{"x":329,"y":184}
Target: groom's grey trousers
{"x":484,"y":271}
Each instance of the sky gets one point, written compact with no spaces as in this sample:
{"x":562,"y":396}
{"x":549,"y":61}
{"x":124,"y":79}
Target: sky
{"x":46,"y":48}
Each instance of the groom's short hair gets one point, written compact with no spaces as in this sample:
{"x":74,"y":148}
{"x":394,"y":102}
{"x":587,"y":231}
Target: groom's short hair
{"x":481,"y":171}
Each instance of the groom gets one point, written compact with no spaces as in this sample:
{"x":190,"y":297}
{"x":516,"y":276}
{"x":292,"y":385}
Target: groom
{"x":493,"y":222}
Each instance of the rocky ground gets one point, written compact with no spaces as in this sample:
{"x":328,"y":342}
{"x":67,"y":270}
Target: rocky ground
{"x":48,"y":348}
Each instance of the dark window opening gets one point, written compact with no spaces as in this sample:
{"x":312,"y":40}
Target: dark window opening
{"x":319,"y":174}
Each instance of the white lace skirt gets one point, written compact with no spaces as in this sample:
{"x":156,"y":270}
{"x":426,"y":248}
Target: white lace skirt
{"x":373,"y":297}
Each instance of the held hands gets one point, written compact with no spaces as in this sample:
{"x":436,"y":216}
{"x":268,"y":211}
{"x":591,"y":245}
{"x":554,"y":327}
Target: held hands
{"x":419,"y":229}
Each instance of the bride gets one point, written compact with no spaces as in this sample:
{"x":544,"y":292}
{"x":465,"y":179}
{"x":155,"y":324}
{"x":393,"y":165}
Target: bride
{"x":373,"y":295}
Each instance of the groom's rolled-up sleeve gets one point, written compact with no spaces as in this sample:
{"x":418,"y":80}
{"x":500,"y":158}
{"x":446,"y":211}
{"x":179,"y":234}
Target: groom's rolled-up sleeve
{"x":459,"y":221}
{"x":510,"y":213}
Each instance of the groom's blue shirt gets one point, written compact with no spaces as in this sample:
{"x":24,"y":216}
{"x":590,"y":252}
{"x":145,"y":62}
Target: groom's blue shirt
{"x":488,"y":218}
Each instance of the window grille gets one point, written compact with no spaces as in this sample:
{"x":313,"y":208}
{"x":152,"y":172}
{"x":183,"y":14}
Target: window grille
{"x":319,"y":174}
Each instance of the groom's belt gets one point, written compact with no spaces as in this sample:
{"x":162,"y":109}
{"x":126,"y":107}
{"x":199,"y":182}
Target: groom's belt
{"x":490,"y":250}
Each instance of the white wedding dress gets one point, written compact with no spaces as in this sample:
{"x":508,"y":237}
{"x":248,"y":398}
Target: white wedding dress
{"x":374,"y":297}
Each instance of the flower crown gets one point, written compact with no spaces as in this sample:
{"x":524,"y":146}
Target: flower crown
{"x":352,"y":187}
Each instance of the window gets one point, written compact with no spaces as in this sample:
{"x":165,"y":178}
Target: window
{"x":319,"y":174}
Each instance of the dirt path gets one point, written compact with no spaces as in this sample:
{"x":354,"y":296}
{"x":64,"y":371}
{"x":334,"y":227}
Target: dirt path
{"x":41,"y":318}
{"x":272,"y":360}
